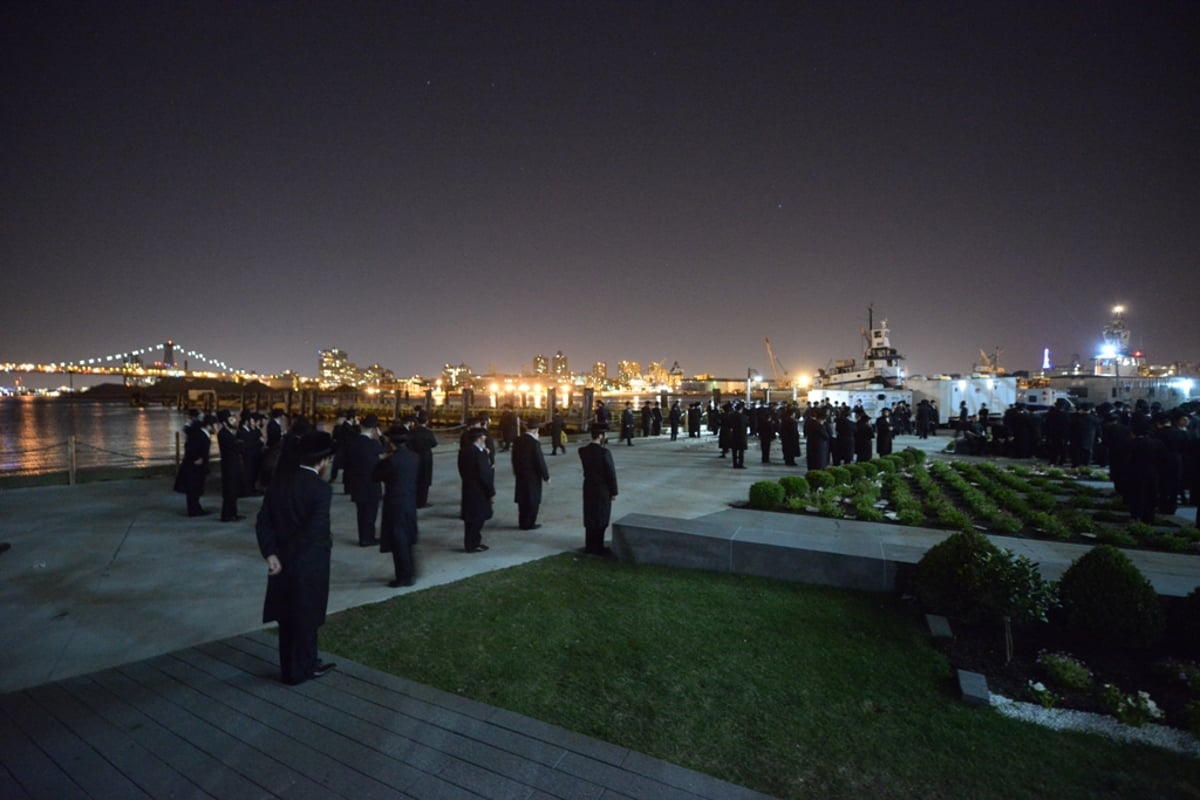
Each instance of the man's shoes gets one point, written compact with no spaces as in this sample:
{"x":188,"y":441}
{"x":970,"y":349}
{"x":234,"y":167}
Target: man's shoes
{"x":533,"y":527}
{"x":5,"y":547}
{"x":369,"y":543}
{"x":427,"y":505}
{"x":398,"y":584}
{"x":479,"y":548}
{"x":323,"y":668}
{"x":238,"y":518}
{"x":200,"y":513}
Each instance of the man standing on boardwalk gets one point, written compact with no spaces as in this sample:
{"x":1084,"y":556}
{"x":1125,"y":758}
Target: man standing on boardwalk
{"x":193,"y":469}
{"x":233,"y":480}
{"x":529,"y":467}
{"x":599,"y":490}
{"x":295,"y":539}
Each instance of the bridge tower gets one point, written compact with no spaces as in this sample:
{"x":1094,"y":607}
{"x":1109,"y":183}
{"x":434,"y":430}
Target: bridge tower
{"x":169,"y":353}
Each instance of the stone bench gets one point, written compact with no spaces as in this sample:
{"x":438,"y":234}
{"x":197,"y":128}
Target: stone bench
{"x":825,"y":552}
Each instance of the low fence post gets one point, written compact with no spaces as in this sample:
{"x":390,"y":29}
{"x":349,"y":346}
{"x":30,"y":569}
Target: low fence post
{"x":71,"y":460}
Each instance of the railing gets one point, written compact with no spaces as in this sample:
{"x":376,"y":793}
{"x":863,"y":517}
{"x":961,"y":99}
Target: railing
{"x":72,"y":455}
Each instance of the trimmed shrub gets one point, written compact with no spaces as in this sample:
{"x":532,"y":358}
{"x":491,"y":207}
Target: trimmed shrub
{"x":766,"y":495}
{"x":794,"y":486}
{"x":820,"y":479}
{"x":869,"y":468}
{"x":969,"y":578}
{"x":1107,"y":600}
{"x":841,"y":475}
{"x":1115,"y":537}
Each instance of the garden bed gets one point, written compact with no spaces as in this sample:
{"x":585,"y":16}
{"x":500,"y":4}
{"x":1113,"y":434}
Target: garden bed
{"x":1012,"y":500}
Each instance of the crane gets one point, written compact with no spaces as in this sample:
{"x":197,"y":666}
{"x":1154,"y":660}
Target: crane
{"x":782,"y":379}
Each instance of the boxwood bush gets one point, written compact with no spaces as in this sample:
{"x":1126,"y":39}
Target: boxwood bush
{"x":794,"y":486}
{"x":766,"y":495}
{"x":1107,"y":601}
{"x":967,"y":577}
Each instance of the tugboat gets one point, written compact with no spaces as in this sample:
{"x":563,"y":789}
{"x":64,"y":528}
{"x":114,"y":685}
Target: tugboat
{"x":876,"y":383}
{"x":880,"y":368}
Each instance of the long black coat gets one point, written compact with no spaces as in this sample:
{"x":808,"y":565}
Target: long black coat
{"x":599,"y":485}
{"x":863,"y":434}
{"x":196,"y":445}
{"x":529,"y":467}
{"x":478,"y":484}
{"x":293,"y":525}
{"x":361,"y":459}
{"x":421,"y":441}
{"x":398,"y":474}
{"x":233,"y":475}
{"x":817,"y":443}
{"x":883,"y":436}
{"x":735,"y":423}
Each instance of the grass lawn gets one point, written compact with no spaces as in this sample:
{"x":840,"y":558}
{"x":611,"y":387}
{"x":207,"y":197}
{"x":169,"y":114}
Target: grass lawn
{"x":794,"y":690}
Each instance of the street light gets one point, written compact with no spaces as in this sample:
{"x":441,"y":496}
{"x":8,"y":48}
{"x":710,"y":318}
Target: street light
{"x":751,"y":375}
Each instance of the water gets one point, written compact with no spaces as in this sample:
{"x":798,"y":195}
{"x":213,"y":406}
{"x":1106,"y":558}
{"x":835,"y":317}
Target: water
{"x":34,"y":433}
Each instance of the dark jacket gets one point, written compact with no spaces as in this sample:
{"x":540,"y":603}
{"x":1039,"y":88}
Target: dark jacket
{"x":398,"y":475}
{"x":293,"y":525}
{"x":478,"y":483}
{"x":529,"y":467}
{"x":599,"y":484}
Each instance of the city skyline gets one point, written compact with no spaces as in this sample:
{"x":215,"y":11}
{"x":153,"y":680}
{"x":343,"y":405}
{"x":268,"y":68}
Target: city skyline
{"x":663,"y":181}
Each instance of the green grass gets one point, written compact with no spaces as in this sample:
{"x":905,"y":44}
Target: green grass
{"x":794,"y":690}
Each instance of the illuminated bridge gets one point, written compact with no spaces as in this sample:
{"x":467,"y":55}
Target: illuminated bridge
{"x":132,"y":364}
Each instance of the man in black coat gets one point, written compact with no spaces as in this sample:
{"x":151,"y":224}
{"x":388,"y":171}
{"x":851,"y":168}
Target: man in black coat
{"x":365,"y":452}
{"x":735,"y":423}
{"x":529,"y":467}
{"x":509,"y":428}
{"x":421,"y":440}
{"x":251,"y":435}
{"x":627,"y":426}
{"x":557,"y":426}
{"x":398,"y":528}
{"x":193,"y":469}
{"x":675,"y":418}
{"x":294,"y":538}
{"x":599,"y":490}
{"x":843,"y":448}
{"x":816,"y":437}
{"x":233,"y":478}
{"x":478,"y":489}
{"x":765,"y":425}
{"x":647,"y":420}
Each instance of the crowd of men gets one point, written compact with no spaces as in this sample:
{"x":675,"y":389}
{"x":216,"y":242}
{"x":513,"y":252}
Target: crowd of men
{"x":1153,"y":457}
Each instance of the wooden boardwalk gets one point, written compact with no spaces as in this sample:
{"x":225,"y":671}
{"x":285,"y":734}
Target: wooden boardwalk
{"x":213,"y":722}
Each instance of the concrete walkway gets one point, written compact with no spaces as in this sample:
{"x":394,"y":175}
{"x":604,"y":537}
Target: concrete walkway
{"x":102,"y":577}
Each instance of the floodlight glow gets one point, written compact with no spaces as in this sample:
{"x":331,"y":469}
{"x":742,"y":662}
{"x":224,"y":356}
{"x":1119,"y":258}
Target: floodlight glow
{"x":1108,"y":351}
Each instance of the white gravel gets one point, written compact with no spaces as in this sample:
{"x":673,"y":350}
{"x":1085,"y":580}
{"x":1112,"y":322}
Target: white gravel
{"x":1061,"y":719}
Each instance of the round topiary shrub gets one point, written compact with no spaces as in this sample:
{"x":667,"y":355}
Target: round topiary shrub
{"x":794,"y":486}
{"x":820,"y":479}
{"x":766,"y":495}
{"x":953,"y":578}
{"x":841,"y":475}
{"x":1107,"y":601}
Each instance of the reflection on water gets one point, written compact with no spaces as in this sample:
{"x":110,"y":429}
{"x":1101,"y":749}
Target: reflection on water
{"x":34,"y":433}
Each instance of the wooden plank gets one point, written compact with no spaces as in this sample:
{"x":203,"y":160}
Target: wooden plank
{"x":272,"y":729}
{"x":141,"y":767}
{"x":211,"y":739}
{"x":9,"y":788}
{"x":37,"y":775}
{"x":190,"y":762}
{"x":470,"y":742}
{"x":71,"y":754}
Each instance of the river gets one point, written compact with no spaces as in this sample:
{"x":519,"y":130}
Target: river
{"x":34,"y":432}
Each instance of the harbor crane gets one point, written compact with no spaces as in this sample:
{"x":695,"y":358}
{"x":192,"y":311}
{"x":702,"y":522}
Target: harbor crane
{"x":782,"y":379}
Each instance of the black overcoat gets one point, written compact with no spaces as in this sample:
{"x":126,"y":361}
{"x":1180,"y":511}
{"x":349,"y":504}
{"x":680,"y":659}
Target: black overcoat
{"x":196,"y":446}
{"x":599,"y":484}
{"x":293,"y":525}
{"x":529,"y":467}
{"x":478,"y":484}
{"x":399,"y":474}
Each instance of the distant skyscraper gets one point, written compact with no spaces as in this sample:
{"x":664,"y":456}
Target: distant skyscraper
{"x":455,"y":376}
{"x":558,"y":366}
{"x":600,"y":372}
{"x":540,"y":364}
{"x":334,"y":369}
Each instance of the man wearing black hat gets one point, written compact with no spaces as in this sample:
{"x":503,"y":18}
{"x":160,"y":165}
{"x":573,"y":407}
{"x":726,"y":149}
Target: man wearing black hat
{"x":398,"y":528}
{"x":529,"y":467}
{"x":295,"y":539}
{"x":421,"y":440}
{"x":478,"y":489}
{"x":365,"y":452}
{"x":599,"y":490}
{"x":193,"y":469}
{"x":232,"y":475}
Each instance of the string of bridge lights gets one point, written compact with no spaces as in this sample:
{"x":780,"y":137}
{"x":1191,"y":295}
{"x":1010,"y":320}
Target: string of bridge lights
{"x":124,"y":358}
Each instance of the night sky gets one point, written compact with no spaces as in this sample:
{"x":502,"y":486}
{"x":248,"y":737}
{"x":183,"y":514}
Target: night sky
{"x":423,"y":183}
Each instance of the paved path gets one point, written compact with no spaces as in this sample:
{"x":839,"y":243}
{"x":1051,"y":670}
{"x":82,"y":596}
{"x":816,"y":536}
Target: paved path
{"x":135,"y":666}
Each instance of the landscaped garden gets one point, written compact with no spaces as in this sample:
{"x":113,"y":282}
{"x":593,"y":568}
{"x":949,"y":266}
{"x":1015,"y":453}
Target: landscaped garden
{"x":1014,"y":500}
{"x":798,"y":691}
